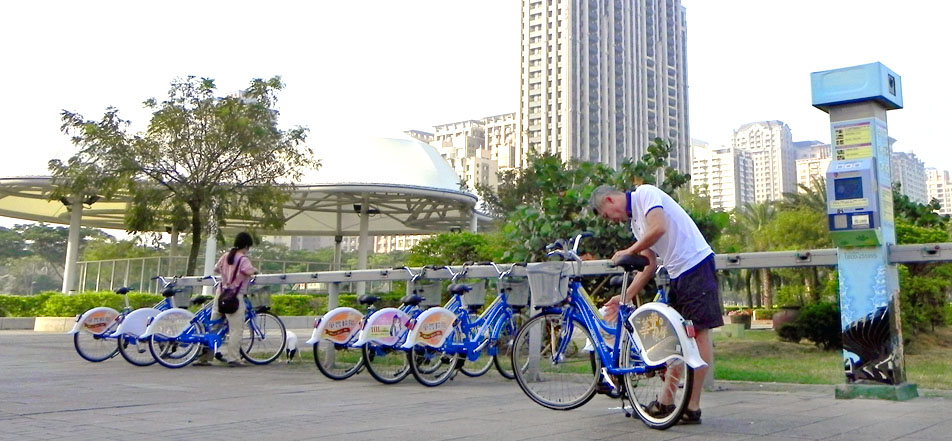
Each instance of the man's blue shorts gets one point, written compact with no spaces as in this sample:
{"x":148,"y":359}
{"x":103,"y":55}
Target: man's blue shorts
{"x":694,"y":294}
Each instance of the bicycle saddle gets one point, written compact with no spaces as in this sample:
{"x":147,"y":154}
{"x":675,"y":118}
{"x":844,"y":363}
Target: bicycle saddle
{"x":123,"y":290}
{"x":633,"y":263}
{"x":199,"y":300}
{"x":412,"y":299}
{"x":170,"y":292}
{"x":367,"y":299}
{"x":459,"y":288}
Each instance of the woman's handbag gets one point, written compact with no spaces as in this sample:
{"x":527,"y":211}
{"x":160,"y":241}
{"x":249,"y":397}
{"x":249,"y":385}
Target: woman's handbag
{"x":228,"y":299}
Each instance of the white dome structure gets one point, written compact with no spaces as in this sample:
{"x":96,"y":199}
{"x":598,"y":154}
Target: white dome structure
{"x":380,"y":186}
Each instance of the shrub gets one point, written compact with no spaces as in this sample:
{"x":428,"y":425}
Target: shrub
{"x":820,"y":323}
{"x":764,"y":313}
{"x":22,"y":306}
{"x":790,"y":332}
{"x":295,"y":304}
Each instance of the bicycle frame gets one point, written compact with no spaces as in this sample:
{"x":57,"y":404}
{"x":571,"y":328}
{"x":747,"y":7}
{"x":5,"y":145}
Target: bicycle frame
{"x":495,"y":316}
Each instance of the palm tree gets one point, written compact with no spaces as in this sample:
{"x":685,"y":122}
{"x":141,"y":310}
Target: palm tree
{"x":754,"y":219}
{"x":813,"y":197}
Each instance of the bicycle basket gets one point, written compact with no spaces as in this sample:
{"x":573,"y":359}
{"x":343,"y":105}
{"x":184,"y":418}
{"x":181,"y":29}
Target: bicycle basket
{"x":431,"y":291}
{"x":259,"y":298}
{"x":548,"y":282}
{"x":517,"y":291}
{"x":476,"y":296}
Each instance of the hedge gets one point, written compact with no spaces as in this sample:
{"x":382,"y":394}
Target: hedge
{"x":53,"y":304}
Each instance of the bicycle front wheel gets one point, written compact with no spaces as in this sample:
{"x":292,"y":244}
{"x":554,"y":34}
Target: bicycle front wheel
{"x":483,"y":361}
{"x":135,"y":351}
{"x":263,"y":338}
{"x":337,"y":361}
{"x":386,"y":364}
{"x":548,"y":366}
{"x":94,"y":347}
{"x":169,"y":351}
{"x":660,"y":395}
{"x":433,"y":366}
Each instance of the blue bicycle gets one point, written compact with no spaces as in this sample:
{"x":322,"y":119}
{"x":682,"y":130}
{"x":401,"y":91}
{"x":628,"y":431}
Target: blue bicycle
{"x":100,"y":333}
{"x":345,"y":340}
{"x":647,"y":354}
{"x":454,"y":339}
{"x":176,"y":336}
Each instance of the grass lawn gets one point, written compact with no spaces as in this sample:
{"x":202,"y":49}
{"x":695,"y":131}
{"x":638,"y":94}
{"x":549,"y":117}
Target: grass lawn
{"x":760,"y":356}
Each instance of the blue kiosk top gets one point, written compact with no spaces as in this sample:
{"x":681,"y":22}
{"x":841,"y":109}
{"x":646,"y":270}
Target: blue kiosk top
{"x":856,"y":83}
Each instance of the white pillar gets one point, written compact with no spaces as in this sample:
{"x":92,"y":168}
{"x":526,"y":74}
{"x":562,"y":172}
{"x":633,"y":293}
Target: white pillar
{"x":210,"y":252}
{"x":473,"y":222}
{"x":337,"y":252}
{"x":173,"y":247}
{"x":72,"y":246}
{"x":363,"y":243}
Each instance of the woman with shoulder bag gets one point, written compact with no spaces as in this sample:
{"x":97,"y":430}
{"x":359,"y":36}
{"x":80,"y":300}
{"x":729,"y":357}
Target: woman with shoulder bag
{"x":235,"y":269}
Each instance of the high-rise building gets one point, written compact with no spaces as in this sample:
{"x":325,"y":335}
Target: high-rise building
{"x":770,"y":145}
{"x":724,"y":174}
{"x":939,"y":187}
{"x":600,"y":79}
{"x":910,"y":173}
{"x":501,"y":139}
{"x":463,"y":145}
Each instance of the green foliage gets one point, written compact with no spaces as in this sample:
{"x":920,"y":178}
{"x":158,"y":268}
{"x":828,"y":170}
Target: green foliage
{"x":22,"y":306}
{"x":202,"y":157}
{"x":923,"y":286}
{"x":457,"y":248}
{"x":909,"y":212}
{"x":790,"y":332}
{"x":295,"y":304}
{"x":764,"y":313}
{"x":820,"y":323}
{"x":556,"y":206}
{"x":791,"y":295}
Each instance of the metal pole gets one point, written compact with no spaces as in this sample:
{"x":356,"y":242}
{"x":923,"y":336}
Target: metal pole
{"x":72,"y":245}
{"x":98,"y":274}
{"x":210,"y":251}
{"x":125,"y":280}
{"x":113,"y":276}
{"x":158,"y":272}
{"x":142,"y":287}
{"x":363,"y":242}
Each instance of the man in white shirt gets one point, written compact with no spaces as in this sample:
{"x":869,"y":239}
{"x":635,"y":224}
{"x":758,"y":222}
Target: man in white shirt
{"x":663,"y":229}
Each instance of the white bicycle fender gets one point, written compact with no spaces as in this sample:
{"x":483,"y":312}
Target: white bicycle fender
{"x":314,"y":334}
{"x":384,"y":327}
{"x":95,"y":321}
{"x":136,"y":321}
{"x":338,"y":326}
{"x":182,"y":319}
{"x":431,"y":328}
{"x":659,"y":332}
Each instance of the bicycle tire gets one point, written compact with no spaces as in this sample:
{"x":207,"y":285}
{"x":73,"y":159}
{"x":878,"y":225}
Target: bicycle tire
{"x":386,"y":364}
{"x":172,"y":352}
{"x":643,"y":389}
{"x":483,"y":361}
{"x":263,"y":338}
{"x":94,"y":347}
{"x":135,"y":351}
{"x":433,"y":366}
{"x":504,"y":343}
{"x":337,"y":361}
{"x":540,"y":377}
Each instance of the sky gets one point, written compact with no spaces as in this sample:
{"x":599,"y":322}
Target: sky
{"x":383,"y":66}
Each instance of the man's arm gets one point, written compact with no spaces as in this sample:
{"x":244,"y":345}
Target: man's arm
{"x":655,"y":222}
{"x":643,"y":277}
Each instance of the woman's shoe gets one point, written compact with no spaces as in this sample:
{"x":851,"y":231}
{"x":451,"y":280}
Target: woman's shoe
{"x":691,"y":417}
{"x":658,"y":410}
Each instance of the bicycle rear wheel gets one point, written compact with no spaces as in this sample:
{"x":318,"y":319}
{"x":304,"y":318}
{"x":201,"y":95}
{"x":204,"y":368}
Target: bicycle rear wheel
{"x":94,"y":347}
{"x":660,"y":395}
{"x":504,"y":345}
{"x":433,"y":366}
{"x":559,"y":379}
{"x":263,"y":338}
{"x":337,"y":361}
{"x":135,"y":351}
{"x":167,"y":348}
{"x":386,"y":364}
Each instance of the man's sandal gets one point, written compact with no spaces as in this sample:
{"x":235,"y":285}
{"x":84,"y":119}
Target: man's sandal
{"x":658,"y":410}
{"x":691,"y":417}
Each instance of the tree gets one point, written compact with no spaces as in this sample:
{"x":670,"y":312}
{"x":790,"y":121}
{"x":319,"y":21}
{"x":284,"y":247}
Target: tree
{"x":202,"y":157}
{"x":455,"y":249}
{"x":755,"y":219}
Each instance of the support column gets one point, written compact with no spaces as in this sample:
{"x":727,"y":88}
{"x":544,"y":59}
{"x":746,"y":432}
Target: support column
{"x":337,"y":252}
{"x":474,"y":223}
{"x":210,"y":253}
{"x":363,"y":242}
{"x":72,"y":246}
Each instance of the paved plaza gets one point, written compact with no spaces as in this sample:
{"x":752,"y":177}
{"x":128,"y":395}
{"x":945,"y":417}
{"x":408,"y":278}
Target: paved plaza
{"x":48,"y":392}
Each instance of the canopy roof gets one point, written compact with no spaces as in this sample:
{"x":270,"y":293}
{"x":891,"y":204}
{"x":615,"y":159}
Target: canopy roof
{"x":408,"y":186}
